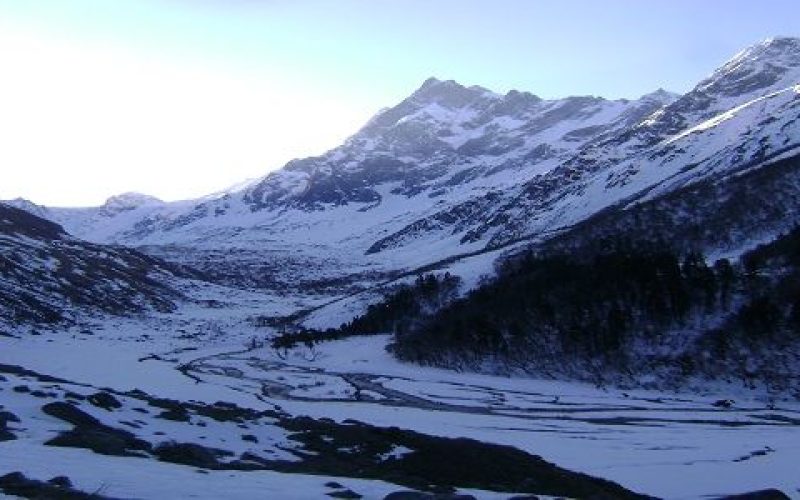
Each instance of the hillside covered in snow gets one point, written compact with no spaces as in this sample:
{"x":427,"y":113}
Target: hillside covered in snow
{"x":484,"y":294}
{"x":50,"y":277}
{"x":453,"y":170}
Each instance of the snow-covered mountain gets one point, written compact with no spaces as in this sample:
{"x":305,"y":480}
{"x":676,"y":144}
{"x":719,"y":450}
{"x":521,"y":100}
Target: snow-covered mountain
{"x":48,"y":276}
{"x":741,"y":117}
{"x":202,"y":396}
{"x":454,"y":170}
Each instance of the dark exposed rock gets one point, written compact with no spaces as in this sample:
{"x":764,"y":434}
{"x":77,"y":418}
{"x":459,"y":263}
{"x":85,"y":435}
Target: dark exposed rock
{"x":57,"y":488}
{"x":5,"y":417}
{"x":103,"y":440}
{"x":175,"y":414}
{"x":408,"y":495}
{"x":42,"y":394}
{"x":189,"y":454}
{"x":24,"y":372}
{"x":420,"y":495}
{"x":74,"y":395}
{"x":91,"y":434}
{"x":19,"y":222}
{"x":5,"y":434}
{"x":61,"y":481}
{"x":355,"y":450}
{"x":347,"y":493}
{"x":69,"y":413}
{"x":105,"y":401}
{"x":770,"y":494}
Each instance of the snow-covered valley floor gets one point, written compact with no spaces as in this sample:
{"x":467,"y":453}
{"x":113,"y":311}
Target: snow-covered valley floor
{"x":659,"y":444}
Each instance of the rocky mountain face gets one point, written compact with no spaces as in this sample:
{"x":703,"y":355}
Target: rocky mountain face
{"x":445,"y":136}
{"x":48,"y":276}
{"x":743,"y":116}
{"x":455,"y":170}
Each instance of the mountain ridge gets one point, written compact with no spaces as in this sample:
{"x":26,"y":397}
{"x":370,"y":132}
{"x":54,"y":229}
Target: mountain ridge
{"x":453,"y":169}
{"x":49,"y":277}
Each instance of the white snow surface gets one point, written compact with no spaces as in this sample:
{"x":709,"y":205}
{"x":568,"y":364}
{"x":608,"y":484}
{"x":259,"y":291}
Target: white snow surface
{"x":643,"y":440}
{"x":662,"y":444}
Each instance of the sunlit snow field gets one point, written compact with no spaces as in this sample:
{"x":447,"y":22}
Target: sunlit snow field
{"x":662,"y":444}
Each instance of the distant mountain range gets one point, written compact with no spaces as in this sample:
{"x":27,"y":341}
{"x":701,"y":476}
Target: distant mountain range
{"x":455,"y":170}
{"x":627,"y":244}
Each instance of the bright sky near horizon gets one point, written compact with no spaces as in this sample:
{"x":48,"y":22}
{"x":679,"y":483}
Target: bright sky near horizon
{"x":181,"y":98}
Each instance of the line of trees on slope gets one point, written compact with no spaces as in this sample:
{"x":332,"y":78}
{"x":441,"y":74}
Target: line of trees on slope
{"x":602,"y":301}
{"x":401,"y":311}
{"x":606,"y":305}
{"x":560,"y":304}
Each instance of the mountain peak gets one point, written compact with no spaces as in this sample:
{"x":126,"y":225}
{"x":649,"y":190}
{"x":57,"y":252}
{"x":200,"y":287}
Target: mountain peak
{"x":129,"y":201}
{"x":433,"y":92}
{"x":447,"y":93}
{"x":778,"y":50}
{"x":20,"y":221}
{"x":781,"y":43}
{"x":436,"y":83}
{"x":27,"y":205}
{"x":432,"y":82}
{"x":774,"y":62}
{"x":660,"y":95}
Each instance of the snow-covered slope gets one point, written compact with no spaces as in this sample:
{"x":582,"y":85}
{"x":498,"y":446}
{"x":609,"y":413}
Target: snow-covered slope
{"x":444,"y":146}
{"x":452,"y":170}
{"x":453,"y":174}
{"x":752,"y":134}
{"x":46,"y":276}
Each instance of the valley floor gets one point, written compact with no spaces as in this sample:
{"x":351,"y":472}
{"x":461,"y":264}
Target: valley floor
{"x":660,"y":444}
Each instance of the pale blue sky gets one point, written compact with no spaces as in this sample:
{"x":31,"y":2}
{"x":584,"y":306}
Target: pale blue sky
{"x":229,"y":89}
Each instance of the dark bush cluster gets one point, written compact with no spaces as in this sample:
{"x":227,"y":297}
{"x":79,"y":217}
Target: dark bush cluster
{"x":594,"y":303}
{"x":575,"y":304}
{"x":398,"y":312}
